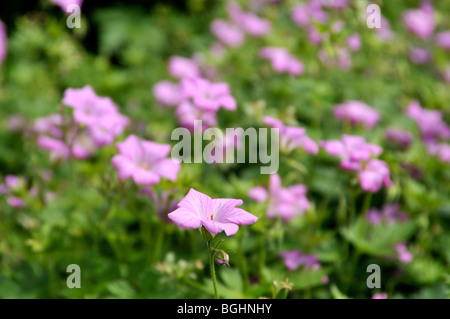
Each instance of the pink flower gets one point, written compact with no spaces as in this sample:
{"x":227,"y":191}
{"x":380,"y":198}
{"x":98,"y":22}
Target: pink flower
{"x":420,"y":21}
{"x":286,"y":202}
{"x":390,"y":213}
{"x":354,"y":42}
{"x":216,"y":215}
{"x":181,"y":67}
{"x":419,"y":55}
{"x":3,"y":42}
{"x":167,"y":93}
{"x":304,"y":15}
{"x":374,"y":175}
{"x":206,"y":95}
{"x":57,"y":148}
{"x":227,"y":33}
{"x":401,"y":138}
{"x":357,"y":112}
{"x":403,"y":254}
{"x":443,"y":39}
{"x":292,"y":137}
{"x":248,"y":21}
{"x":352,"y":150}
{"x":188,"y":113}
{"x":380,"y":296}
{"x":430,"y":122}
{"x":295,"y":258}
{"x":442,"y":150}
{"x":64,"y":4}
{"x":282,"y":61}
{"x":144,"y":161}
{"x":99,"y":114}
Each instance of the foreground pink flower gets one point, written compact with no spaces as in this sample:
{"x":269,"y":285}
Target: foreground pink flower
{"x":3,"y":42}
{"x":282,"y":60}
{"x":286,"y":202}
{"x":144,"y":161}
{"x":216,"y":215}
{"x":380,"y":296}
{"x":357,"y":112}
{"x":292,"y":137}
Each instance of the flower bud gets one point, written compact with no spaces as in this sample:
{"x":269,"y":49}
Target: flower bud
{"x":222,"y":257}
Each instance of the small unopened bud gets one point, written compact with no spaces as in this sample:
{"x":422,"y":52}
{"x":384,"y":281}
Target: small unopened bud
{"x":222,"y":257}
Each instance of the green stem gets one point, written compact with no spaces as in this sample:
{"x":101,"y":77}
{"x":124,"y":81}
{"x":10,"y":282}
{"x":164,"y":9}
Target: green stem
{"x":159,"y":241}
{"x":211,"y":267}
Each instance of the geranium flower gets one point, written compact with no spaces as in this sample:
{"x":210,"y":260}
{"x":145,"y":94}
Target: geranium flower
{"x":3,"y":42}
{"x":357,"y":112}
{"x":181,"y":67}
{"x":216,"y":215}
{"x":167,"y":93}
{"x":144,"y":161}
{"x":292,"y":137}
{"x":374,"y":175}
{"x":64,"y":4}
{"x":228,"y":33}
{"x":295,"y":258}
{"x":420,"y":21}
{"x":282,"y":61}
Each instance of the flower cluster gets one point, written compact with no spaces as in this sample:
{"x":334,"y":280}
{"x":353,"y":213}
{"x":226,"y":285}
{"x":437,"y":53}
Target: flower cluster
{"x":285,"y":202}
{"x":96,"y":123}
{"x":358,"y":155}
{"x":357,"y":112}
{"x":232,"y":32}
{"x":434,"y":131}
{"x":282,"y":60}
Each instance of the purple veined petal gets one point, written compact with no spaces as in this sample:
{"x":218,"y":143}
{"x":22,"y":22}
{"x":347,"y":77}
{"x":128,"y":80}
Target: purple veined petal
{"x":198,"y":202}
{"x":258,"y":194}
{"x":213,"y":227}
{"x":167,"y":168}
{"x":230,"y":228}
{"x":185,"y":218}
{"x":241,"y":217}
{"x":223,"y":207}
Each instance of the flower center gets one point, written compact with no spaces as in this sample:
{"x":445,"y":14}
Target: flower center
{"x":144,"y":165}
{"x":212,"y":216}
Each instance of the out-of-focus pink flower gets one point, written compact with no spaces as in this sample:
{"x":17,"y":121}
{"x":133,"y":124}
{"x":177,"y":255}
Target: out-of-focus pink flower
{"x":144,"y":161}
{"x":335,"y":4}
{"x":431,"y":124}
{"x":352,"y":150}
{"x":167,"y":93}
{"x":419,"y":55}
{"x":401,"y":138}
{"x":216,"y":215}
{"x":442,"y":150}
{"x":420,"y":21}
{"x":295,"y":258}
{"x":248,"y":21}
{"x":443,"y":39}
{"x":57,"y":148}
{"x":188,"y":113}
{"x":181,"y":67}
{"x":357,"y":112}
{"x":228,"y":33}
{"x":231,"y":140}
{"x":3,"y":42}
{"x":403,"y":254}
{"x":163,"y":201}
{"x":389,"y":213}
{"x":304,"y":15}
{"x":64,"y":4}
{"x":354,"y":42}
{"x":374,"y":175}
{"x":206,"y":95}
{"x":282,"y":61}
{"x":292,"y":137}
{"x":286,"y":202}
{"x":99,"y":114}
{"x":380,"y":296}
{"x":384,"y":33}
